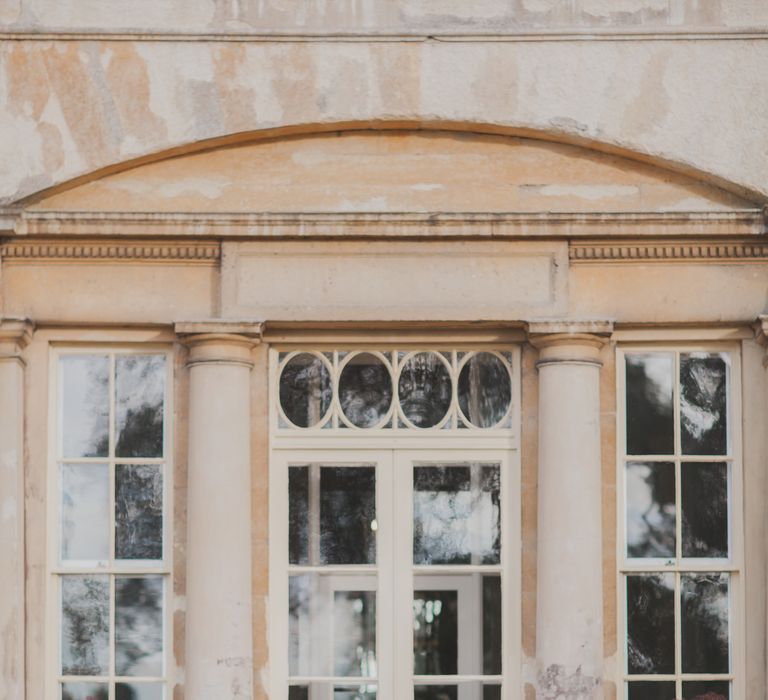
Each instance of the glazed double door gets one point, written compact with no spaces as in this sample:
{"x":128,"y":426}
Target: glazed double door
{"x":393,"y":574}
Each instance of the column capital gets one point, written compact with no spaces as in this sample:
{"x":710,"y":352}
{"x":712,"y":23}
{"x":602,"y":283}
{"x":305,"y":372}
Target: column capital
{"x":15,"y":335}
{"x":218,"y":341}
{"x":761,"y":330}
{"x":569,"y":341}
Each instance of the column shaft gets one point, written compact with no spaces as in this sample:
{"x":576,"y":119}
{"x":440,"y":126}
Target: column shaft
{"x":219,"y":645}
{"x":14,"y":335}
{"x":569,"y":635}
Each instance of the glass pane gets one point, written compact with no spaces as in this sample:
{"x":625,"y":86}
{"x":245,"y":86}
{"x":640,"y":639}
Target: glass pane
{"x":365,"y":692}
{"x":651,"y":623}
{"x":84,"y":691}
{"x":138,"y":511}
{"x":139,"y":691}
{"x":139,"y":626}
{"x":425,"y":389}
{"x":365,"y":390}
{"x":456,"y":514}
{"x":705,"y":623}
{"x":467,"y":690}
{"x":703,"y":404}
{"x":298,"y":515}
{"x":332,"y":625}
{"x":704,"y":489}
{"x":298,"y":692}
{"x":457,"y":624}
{"x":485,"y":390}
{"x":85,"y":405}
{"x":84,"y":512}
{"x":650,"y":420}
{"x":340,"y":528}
{"x":650,"y":489}
{"x":84,"y":625}
{"x":650,"y":690}
{"x":305,"y":390}
{"x":706,"y":690}
{"x":139,"y":394}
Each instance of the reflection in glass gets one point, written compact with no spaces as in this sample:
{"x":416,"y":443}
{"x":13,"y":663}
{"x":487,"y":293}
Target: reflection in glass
{"x":139,"y":691}
{"x":84,"y":512}
{"x":706,"y":690}
{"x":704,"y":603}
{"x":347,"y":515}
{"x":332,"y":630}
{"x":298,"y":692}
{"x":456,"y":514}
{"x":425,"y":389}
{"x":138,"y":511}
{"x":650,"y":429}
{"x":84,"y":625}
{"x":305,"y":390}
{"x":365,"y":390}
{"x":485,"y":390}
{"x":436,"y":692}
{"x":84,"y":691}
{"x":139,"y":392}
{"x":298,"y":515}
{"x":85,"y":405}
{"x":139,"y":626}
{"x":704,"y":488}
{"x":365,"y":692}
{"x":650,"y":493}
{"x":651,"y":623}
{"x":457,"y":624}
{"x":651,"y":690}
{"x":703,"y":404}
{"x":466,"y":690}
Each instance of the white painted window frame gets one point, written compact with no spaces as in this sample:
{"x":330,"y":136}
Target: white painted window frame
{"x":394,"y":452}
{"x":56,"y":569}
{"x":734,"y":565}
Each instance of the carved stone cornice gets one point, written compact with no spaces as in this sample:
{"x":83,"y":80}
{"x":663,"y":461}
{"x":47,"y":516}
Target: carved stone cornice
{"x":678,"y":251}
{"x":384,"y":225}
{"x":186,"y":252}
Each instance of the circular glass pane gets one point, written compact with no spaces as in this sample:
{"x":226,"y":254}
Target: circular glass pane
{"x":485,"y":391}
{"x":305,"y":390}
{"x":425,"y":389}
{"x":365,"y":390}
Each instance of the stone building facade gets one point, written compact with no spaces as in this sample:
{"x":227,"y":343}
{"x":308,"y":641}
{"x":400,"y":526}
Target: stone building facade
{"x":357,"y":349}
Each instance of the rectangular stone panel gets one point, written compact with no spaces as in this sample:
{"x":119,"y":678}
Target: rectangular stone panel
{"x":396,"y":280}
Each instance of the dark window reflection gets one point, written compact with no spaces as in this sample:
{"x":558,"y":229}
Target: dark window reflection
{"x":305,"y":390}
{"x":365,"y":390}
{"x":705,"y":623}
{"x":347,"y":513}
{"x":703,"y":402}
{"x":354,"y":633}
{"x":491,"y":692}
{"x":436,"y":692}
{"x":84,"y":625}
{"x":298,"y":692}
{"x":706,"y":690}
{"x":485,"y":390}
{"x":651,"y":624}
{"x":139,"y":626}
{"x":650,"y":493}
{"x":84,"y":691}
{"x":435,"y":633}
{"x":139,"y":394}
{"x":651,"y":690}
{"x":138,"y":691}
{"x":492,"y":625}
{"x":425,"y":389}
{"x":298,"y":515}
{"x":362,"y":693}
{"x":650,"y":421}
{"x":138,"y":511}
{"x":704,"y":489}
{"x":456,"y":514}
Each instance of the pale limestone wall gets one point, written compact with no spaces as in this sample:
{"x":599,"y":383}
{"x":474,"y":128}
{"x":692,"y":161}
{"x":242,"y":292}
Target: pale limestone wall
{"x":377,"y":16}
{"x":70,"y":108}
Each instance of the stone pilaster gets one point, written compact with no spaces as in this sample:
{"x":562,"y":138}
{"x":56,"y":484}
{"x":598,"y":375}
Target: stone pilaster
{"x":219,"y":641}
{"x":569,"y":615}
{"x":15,"y":334}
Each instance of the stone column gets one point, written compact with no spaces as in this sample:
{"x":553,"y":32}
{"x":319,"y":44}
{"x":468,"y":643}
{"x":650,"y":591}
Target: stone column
{"x":15,"y":334}
{"x":569,"y":602}
{"x":219,"y":641}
